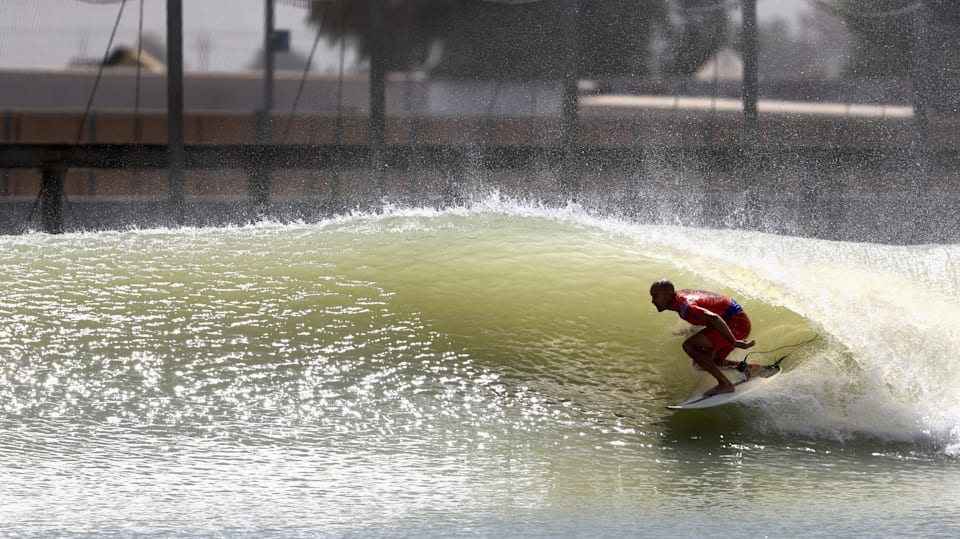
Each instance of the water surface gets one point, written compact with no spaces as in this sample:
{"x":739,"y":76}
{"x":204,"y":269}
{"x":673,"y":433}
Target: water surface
{"x":491,"y":370}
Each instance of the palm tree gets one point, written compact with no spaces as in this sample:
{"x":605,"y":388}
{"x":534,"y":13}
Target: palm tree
{"x":523,"y":39}
{"x":905,"y":39}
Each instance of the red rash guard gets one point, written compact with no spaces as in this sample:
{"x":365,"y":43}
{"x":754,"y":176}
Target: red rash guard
{"x":691,"y":304}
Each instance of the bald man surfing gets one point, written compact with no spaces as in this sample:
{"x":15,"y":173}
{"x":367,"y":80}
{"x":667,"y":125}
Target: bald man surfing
{"x":726,"y":328}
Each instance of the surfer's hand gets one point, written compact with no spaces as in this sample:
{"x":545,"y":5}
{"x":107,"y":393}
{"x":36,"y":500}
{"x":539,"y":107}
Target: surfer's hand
{"x":745,"y":344}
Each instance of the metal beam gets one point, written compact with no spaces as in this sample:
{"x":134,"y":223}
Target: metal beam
{"x":268,"y":69}
{"x":570,"y":102}
{"x":378,"y":89}
{"x":260,"y":174}
{"x":320,"y":156}
{"x":751,"y":89}
{"x":921,"y":75}
{"x":51,"y":199}
{"x":7,"y":135}
{"x":175,"y":108}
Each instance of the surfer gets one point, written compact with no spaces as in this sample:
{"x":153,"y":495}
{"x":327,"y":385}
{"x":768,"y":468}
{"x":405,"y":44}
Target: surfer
{"x":727,"y":327}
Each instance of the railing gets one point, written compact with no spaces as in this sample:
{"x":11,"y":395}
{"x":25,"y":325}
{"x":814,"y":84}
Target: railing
{"x":591,"y":163}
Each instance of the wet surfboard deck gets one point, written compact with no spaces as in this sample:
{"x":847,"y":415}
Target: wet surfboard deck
{"x":744,"y":388}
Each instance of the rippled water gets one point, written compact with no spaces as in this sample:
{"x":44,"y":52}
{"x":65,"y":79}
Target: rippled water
{"x":493,"y":370}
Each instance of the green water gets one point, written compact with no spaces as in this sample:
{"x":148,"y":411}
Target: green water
{"x":496,"y":370}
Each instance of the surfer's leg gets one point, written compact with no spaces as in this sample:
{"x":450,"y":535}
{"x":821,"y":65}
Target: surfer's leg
{"x":739,"y":325}
{"x":699,"y":348}
{"x":725,"y":363}
{"x":748,"y":370}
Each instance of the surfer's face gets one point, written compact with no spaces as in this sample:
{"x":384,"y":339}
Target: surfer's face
{"x":661,"y":298}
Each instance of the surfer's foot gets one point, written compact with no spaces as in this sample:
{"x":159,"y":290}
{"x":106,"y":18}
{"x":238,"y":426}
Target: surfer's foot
{"x":753,"y":368}
{"x":748,"y":369}
{"x":725,"y":388}
{"x":726,"y":363}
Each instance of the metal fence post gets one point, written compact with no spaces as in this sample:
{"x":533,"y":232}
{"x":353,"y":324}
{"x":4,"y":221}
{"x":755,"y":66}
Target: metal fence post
{"x":570,"y":103}
{"x":175,"y":108}
{"x":260,"y":174}
{"x":7,"y":134}
{"x":378,"y":108}
{"x":51,"y":198}
{"x":750,"y":152}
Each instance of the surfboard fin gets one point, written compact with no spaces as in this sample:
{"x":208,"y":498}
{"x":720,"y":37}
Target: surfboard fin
{"x":777,"y":362}
{"x":743,"y":366}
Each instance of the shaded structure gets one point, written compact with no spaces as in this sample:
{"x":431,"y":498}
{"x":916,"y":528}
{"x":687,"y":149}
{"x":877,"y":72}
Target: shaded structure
{"x":608,"y":152}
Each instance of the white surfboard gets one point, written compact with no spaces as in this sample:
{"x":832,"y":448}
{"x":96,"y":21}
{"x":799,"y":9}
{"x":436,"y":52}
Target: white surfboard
{"x":744,"y":388}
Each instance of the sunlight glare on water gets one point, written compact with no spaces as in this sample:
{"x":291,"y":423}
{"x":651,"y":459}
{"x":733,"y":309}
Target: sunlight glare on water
{"x":489,"y":370}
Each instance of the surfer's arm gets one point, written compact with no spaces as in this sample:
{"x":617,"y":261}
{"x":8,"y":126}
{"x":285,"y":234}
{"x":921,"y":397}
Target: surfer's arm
{"x":714,"y":321}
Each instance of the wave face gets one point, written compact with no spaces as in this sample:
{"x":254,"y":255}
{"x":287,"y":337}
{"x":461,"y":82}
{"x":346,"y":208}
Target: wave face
{"x":500,"y":360}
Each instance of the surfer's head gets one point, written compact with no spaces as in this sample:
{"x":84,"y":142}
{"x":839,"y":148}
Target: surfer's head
{"x":662,"y":293}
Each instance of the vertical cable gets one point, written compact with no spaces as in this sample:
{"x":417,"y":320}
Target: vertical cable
{"x":137,"y":121}
{"x":96,"y":82}
{"x":303,"y":79}
{"x":49,"y":173}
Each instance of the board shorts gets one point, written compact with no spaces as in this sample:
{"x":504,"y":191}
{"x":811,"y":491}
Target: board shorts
{"x":739,"y":325}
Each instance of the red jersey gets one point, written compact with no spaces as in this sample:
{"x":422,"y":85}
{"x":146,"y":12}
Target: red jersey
{"x":691,"y":304}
